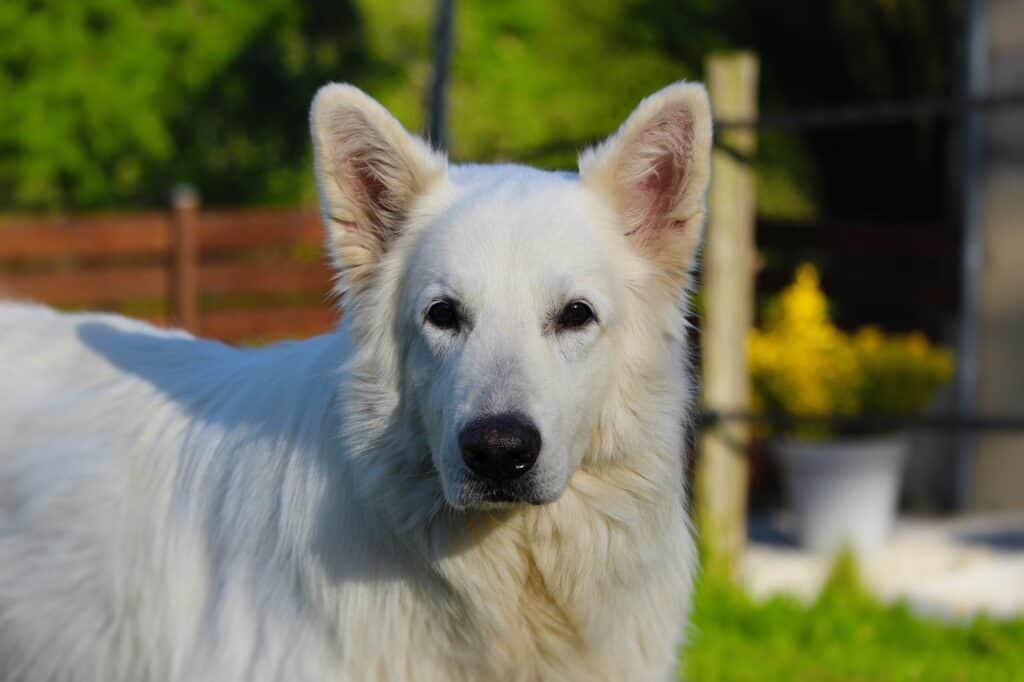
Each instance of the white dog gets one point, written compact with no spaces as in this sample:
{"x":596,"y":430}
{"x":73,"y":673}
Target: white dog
{"x":477,"y":477}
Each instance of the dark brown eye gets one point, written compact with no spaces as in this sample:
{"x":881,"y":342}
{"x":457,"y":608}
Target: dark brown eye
{"x":575,"y":316}
{"x":443,"y":314}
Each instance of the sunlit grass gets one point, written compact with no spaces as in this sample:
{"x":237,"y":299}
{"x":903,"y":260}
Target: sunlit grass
{"x":846,"y":634}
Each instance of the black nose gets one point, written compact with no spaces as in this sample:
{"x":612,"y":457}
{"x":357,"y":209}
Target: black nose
{"x":500,"y":447}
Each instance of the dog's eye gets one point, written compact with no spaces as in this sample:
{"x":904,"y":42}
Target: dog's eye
{"x":443,"y":314}
{"x":575,"y":315}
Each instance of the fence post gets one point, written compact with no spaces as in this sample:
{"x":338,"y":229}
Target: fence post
{"x":444,"y":39}
{"x":185,"y":265}
{"x":721,"y":494}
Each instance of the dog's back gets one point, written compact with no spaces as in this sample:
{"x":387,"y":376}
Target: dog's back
{"x":58,"y":484}
{"x":62,"y":481}
{"x":121,"y":478}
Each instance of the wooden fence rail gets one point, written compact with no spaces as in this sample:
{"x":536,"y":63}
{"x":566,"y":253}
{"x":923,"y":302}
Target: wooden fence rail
{"x":235,"y":276}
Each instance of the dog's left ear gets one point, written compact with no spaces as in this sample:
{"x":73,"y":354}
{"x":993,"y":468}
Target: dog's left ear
{"x":655,"y":172}
{"x":369,"y":173}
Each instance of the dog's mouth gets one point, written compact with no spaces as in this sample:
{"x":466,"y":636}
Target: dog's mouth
{"x":490,"y":495}
{"x":505,"y":495}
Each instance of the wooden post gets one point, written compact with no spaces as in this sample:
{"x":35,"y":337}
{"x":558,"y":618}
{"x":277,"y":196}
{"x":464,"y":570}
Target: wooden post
{"x":185,"y":267}
{"x":721,"y":494}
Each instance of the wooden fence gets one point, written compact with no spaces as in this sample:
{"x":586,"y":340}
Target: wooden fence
{"x":260,"y":274}
{"x":237,"y":276}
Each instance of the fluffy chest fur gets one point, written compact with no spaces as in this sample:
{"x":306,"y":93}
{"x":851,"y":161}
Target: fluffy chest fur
{"x":577,"y":591}
{"x":569,"y":592}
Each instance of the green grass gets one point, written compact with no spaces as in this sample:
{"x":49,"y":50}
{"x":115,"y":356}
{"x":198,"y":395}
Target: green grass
{"x":845,"y":635}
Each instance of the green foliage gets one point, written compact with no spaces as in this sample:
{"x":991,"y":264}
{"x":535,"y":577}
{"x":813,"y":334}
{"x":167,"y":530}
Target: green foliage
{"x":543,"y":72}
{"x":844,"y":583}
{"x":107,"y":103}
{"x":844,"y":635}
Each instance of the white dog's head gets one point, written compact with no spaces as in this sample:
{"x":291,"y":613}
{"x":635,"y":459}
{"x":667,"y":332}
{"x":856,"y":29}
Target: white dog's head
{"x":504,"y":303}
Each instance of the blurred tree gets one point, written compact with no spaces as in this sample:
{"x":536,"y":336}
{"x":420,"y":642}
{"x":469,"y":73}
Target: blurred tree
{"x":242,"y":135}
{"x":534,"y":81}
{"x":106,"y":103}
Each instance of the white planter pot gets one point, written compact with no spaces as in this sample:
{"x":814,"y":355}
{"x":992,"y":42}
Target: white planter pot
{"x":844,"y":492}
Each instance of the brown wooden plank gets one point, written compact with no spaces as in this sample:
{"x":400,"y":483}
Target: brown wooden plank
{"x":104,"y":286}
{"x":159,"y":320}
{"x":268,"y":323}
{"x":100,"y":235}
{"x":247,"y":229}
{"x":264,"y":278}
{"x":96,"y":287}
{"x":146,"y":233}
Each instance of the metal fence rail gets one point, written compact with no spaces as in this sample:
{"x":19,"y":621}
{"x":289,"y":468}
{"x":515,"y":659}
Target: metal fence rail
{"x":950,"y":422}
{"x":885,"y":112}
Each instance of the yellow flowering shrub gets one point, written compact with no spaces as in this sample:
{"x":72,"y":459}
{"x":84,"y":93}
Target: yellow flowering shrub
{"x":802,"y":364}
{"x":900,"y":373}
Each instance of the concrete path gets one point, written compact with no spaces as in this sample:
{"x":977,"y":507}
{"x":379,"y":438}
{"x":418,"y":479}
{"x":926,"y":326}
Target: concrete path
{"x":950,"y":568}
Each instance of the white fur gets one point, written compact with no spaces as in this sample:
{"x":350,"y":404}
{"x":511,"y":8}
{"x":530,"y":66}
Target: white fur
{"x":175,"y":509}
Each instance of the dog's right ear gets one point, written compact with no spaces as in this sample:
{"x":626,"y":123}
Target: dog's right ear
{"x":369,"y":172}
{"x":655,"y":170}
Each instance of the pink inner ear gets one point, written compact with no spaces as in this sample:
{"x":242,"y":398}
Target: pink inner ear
{"x":657,"y":169}
{"x":370,"y":187}
{"x":362,"y":163}
{"x":363,"y":173}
